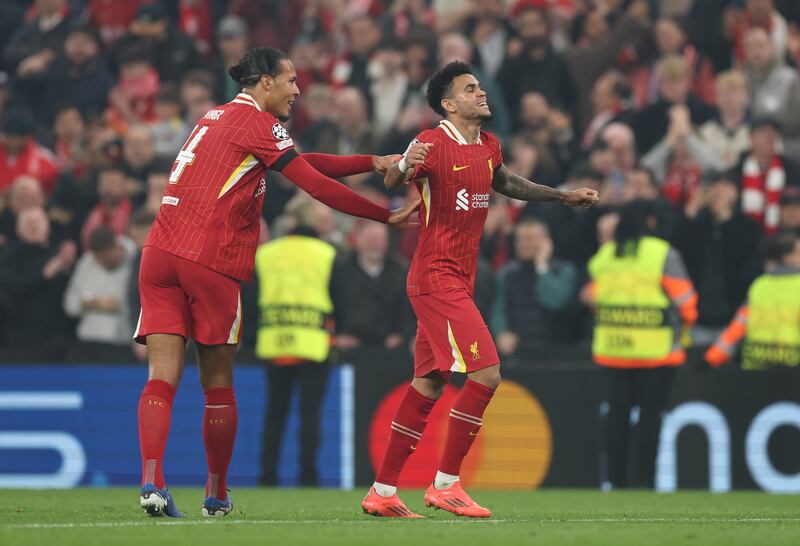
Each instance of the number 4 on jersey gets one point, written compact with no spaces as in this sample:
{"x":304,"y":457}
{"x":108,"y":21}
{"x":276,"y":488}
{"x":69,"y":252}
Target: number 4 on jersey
{"x":186,"y":155}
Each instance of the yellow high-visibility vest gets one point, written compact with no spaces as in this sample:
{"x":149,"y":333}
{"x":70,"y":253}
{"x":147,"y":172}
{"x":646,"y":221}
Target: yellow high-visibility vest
{"x":631,"y":306}
{"x":773,"y":322}
{"x":294,"y":299}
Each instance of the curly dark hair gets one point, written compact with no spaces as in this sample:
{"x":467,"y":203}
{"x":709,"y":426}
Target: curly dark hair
{"x":255,"y":63}
{"x":441,"y":84}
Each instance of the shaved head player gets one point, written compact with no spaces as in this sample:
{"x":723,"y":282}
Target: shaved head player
{"x":455,"y":167}
{"x":203,"y":244}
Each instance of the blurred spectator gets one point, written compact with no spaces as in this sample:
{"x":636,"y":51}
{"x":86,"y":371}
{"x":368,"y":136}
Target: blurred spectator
{"x":112,"y":18}
{"x":114,"y":209}
{"x":368,"y":291}
{"x":133,"y":99}
{"x":138,"y":155}
{"x":170,"y":51}
{"x":774,"y":87}
{"x":484,"y":23}
{"x":764,"y":174}
{"x":316,"y":103}
{"x":533,"y":292}
{"x":141,"y":222}
{"x":728,"y":134}
{"x":389,"y":85}
{"x":611,"y":101}
{"x":638,"y":355}
{"x":352,"y":133}
{"x":97,"y":294}
{"x":790,"y":211}
{"x":454,"y":46}
{"x":719,"y":245}
{"x":769,"y":321}
{"x":571,"y":228}
{"x":671,"y":38}
{"x":613,"y":156}
{"x":652,"y":122}
{"x":25,"y":193}
{"x":232,"y":44}
{"x":363,"y":37}
{"x":33,"y":277}
{"x":197,"y":94}
{"x":157,"y":179}
{"x":169,"y":130}
{"x":757,"y":14}
{"x":69,"y":130}
{"x":537,"y":67}
{"x":597,"y":47}
{"x":20,"y":155}
{"x":79,"y":77}
{"x":32,"y":48}
{"x":641,"y":184}
{"x":680,"y":157}
{"x":550,"y":129}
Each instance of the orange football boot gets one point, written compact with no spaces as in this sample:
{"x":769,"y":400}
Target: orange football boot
{"x":454,"y":499}
{"x":389,"y":507}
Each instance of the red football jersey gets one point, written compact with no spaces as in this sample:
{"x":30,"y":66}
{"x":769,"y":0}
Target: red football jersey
{"x":455,"y":183}
{"x":211,"y":208}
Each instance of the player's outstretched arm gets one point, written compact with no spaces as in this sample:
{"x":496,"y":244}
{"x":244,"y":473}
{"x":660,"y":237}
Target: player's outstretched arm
{"x":399,"y":173}
{"x":339,"y":196}
{"x":513,"y":185}
{"x":335,"y":166}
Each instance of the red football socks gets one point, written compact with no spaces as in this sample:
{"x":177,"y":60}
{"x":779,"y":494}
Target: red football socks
{"x":155,"y":409}
{"x":407,"y":428}
{"x":219,"y":432}
{"x":466,"y":418}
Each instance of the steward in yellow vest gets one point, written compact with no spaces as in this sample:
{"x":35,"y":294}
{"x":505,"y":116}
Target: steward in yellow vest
{"x":643,"y":298}
{"x":769,"y":321}
{"x":294,"y":339}
{"x":294,"y":302}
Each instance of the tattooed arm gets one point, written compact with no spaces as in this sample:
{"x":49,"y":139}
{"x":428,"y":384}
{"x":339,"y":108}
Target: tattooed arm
{"x":513,"y":185}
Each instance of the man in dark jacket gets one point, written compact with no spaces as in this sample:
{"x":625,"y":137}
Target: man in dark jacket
{"x":36,"y":43}
{"x":537,"y":67}
{"x":33,"y":277}
{"x":79,"y":77}
{"x":719,"y":245}
{"x":172,"y":52}
{"x":369,"y":296}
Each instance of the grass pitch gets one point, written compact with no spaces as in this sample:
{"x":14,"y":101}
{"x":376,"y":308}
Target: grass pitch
{"x":325,"y":517}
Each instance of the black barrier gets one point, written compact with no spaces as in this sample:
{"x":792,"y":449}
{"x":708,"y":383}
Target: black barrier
{"x":724,"y":428}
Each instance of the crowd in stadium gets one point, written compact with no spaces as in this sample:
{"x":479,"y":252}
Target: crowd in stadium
{"x":691,"y":105}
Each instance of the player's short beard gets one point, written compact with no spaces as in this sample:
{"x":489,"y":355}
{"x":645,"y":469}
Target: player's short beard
{"x":485,"y":117}
{"x":283,"y":119}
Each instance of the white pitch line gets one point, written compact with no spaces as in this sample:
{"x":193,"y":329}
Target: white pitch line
{"x":147,"y":523}
{"x":228,"y":522}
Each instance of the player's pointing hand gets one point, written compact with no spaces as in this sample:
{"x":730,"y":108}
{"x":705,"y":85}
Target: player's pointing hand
{"x":417,"y":152}
{"x":583,"y":197}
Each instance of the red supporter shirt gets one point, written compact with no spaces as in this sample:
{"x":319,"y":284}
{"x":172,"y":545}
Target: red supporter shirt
{"x":34,"y":160}
{"x":212,"y":205}
{"x":455,"y":182}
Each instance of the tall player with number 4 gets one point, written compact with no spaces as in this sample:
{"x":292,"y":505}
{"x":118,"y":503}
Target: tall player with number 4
{"x":455,"y":168}
{"x":203,"y":244}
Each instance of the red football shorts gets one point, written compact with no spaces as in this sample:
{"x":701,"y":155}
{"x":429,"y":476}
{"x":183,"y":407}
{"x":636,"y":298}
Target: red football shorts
{"x":185,"y":298}
{"x":451,"y":335}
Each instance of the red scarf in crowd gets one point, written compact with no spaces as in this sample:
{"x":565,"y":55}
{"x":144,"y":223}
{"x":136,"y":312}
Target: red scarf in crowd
{"x":761,"y":192}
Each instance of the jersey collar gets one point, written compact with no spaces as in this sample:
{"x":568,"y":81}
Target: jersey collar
{"x":451,"y":131}
{"x":244,"y":98}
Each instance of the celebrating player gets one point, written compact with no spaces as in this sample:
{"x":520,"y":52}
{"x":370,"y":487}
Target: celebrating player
{"x":203,"y":243}
{"x":454,"y":166}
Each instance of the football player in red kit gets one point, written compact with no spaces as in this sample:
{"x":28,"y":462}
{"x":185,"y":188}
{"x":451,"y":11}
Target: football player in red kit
{"x":203,"y":244}
{"x":455,"y":167}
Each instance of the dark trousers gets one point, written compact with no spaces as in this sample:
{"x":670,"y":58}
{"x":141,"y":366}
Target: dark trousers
{"x":647,"y":388}
{"x":312,"y":378}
